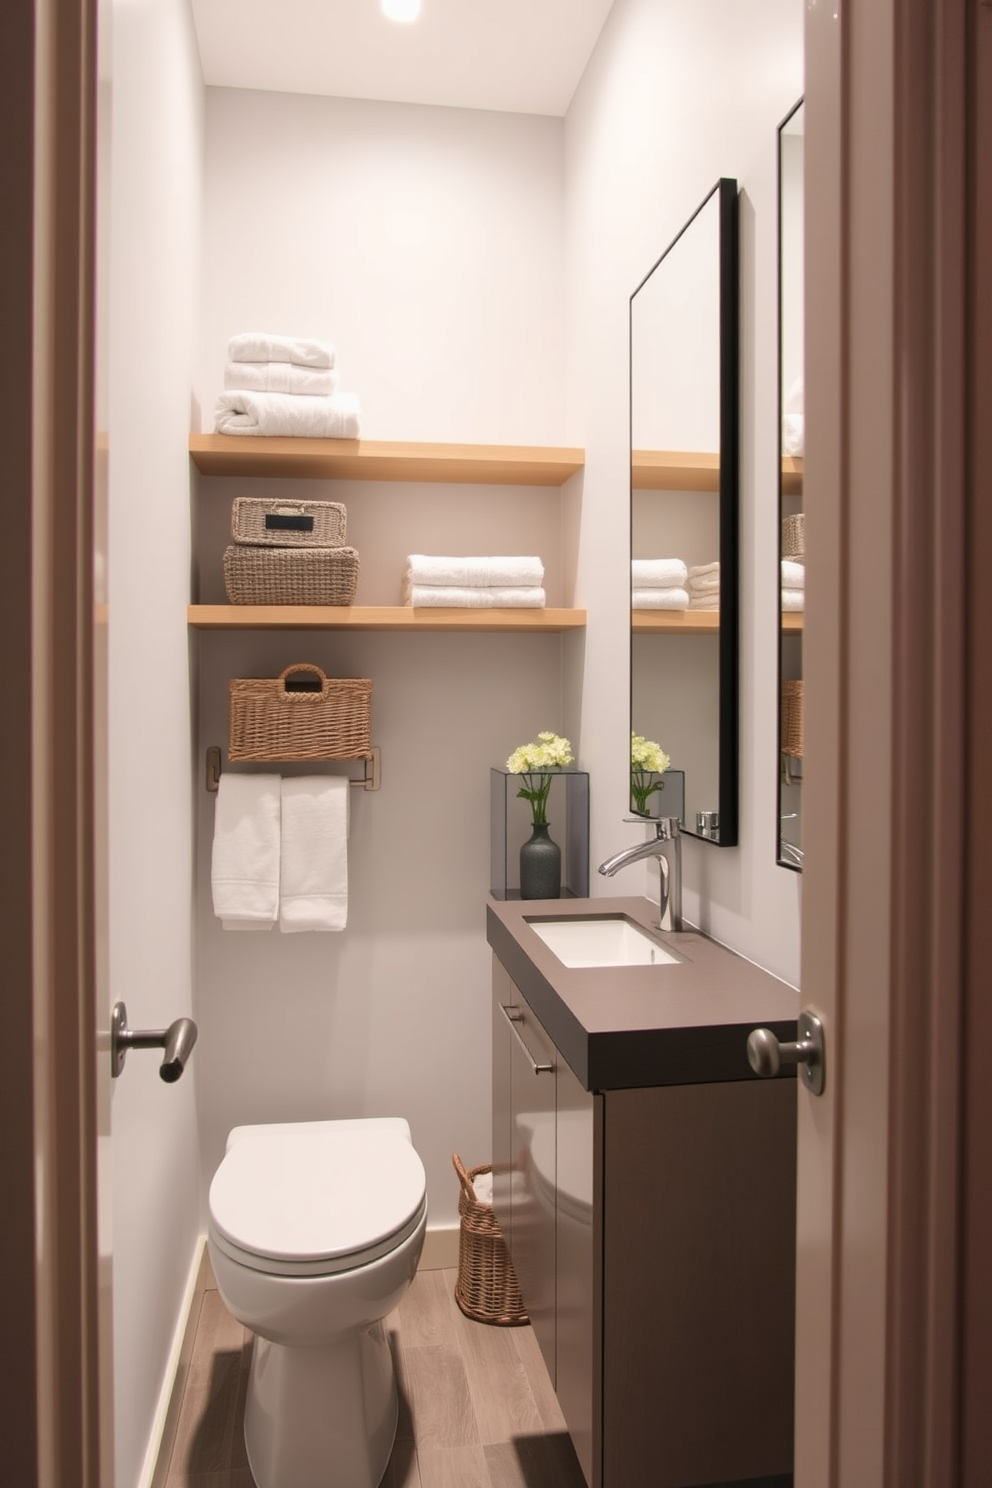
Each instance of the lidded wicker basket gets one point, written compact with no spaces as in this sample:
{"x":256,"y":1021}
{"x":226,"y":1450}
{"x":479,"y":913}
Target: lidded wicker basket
{"x":792,"y":719}
{"x":328,"y":718}
{"x":486,"y":1288}
{"x":290,"y":576}
{"x":263,"y":522}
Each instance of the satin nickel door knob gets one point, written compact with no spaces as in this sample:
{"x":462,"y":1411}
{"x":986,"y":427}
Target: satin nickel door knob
{"x":177,"y":1041}
{"x":766,"y":1055}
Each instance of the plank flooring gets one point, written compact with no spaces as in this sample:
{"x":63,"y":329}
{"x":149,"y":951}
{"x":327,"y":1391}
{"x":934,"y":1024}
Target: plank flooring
{"x":476,"y":1406}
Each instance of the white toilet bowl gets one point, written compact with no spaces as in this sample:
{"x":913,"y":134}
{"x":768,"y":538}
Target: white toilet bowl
{"x":315,"y":1230}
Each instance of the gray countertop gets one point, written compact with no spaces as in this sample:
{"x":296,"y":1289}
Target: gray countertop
{"x":629,"y":1026}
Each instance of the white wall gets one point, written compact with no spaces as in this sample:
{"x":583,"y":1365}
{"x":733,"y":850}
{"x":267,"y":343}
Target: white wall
{"x":675,"y":96}
{"x":426,"y":243}
{"x":154,"y":268}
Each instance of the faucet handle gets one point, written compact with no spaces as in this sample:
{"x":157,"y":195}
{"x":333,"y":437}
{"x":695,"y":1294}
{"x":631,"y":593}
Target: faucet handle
{"x":667,"y":828}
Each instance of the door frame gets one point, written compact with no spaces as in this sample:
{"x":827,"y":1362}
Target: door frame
{"x":50,"y":1349}
{"x":893,"y":1307}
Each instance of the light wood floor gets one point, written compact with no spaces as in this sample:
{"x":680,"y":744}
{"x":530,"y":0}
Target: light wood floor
{"x":476,"y":1407}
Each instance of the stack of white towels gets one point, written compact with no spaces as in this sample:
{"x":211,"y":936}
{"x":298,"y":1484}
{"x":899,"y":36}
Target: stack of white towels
{"x":500,"y":583}
{"x":284,"y":385}
{"x":794,"y":421}
{"x":704,"y":587}
{"x":280,"y":852}
{"x":793,"y":585}
{"x":658,"y":584}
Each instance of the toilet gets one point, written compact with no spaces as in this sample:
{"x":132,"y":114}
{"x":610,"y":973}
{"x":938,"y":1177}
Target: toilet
{"x":315,"y":1230}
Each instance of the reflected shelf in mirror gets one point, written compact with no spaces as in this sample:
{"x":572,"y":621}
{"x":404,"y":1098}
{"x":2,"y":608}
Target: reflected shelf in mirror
{"x":674,"y":470}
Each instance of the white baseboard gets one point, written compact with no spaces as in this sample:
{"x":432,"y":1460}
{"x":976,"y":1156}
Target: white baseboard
{"x":162,"y":1435}
{"x":440,"y":1251}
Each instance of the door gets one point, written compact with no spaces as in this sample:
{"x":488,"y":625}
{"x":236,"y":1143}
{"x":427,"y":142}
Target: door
{"x":893,"y":1307}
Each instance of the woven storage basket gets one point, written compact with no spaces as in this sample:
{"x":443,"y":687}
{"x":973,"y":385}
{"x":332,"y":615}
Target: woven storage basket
{"x":792,"y":719}
{"x":290,"y":576}
{"x":269,"y":722}
{"x":794,"y":537}
{"x":486,"y":1288}
{"x":287,"y":524}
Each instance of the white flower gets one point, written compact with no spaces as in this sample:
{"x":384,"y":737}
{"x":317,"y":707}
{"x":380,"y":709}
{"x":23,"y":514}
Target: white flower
{"x":648,"y":756}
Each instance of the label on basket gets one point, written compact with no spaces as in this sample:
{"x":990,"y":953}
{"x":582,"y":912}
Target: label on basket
{"x":287,"y":522}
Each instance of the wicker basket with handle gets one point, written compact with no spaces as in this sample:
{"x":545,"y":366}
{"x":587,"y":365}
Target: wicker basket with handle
{"x":486,"y":1288}
{"x":272,"y":719}
{"x":263,"y":522}
{"x":793,"y":726}
{"x":290,"y":576}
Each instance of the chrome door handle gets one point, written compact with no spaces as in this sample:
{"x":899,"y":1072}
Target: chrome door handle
{"x":177,"y":1040}
{"x":766,"y":1055}
{"x":514,"y":1016}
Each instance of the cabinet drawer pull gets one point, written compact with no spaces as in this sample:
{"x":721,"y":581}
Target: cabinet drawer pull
{"x":514,"y":1016}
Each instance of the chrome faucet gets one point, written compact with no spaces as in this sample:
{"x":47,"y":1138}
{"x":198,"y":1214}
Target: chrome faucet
{"x":666,"y":846}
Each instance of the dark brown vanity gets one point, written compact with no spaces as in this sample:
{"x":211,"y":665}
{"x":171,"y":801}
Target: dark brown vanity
{"x":645,"y":1181}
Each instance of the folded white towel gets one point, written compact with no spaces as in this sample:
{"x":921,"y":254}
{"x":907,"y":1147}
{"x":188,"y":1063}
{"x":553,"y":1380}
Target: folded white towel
{"x":659,"y":599}
{"x":480,"y":597}
{"x":259,"y":346}
{"x":313,"y":891}
{"x":336,"y":417}
{"x":793,"y":434}
{"x":473,"y":573}
{"x":482,"y":1185}
{"x":244,"y":867}
{"x":280,"y":377}
{"x":793,"y":599}
{"x":793,"y":574}
{"x":658,"y":573}
{"x":704,"y":601}
{"x":704,"y":571}
{"x":704,"y":586}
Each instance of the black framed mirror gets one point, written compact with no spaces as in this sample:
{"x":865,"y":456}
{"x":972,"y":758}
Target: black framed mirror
{"x":792,"y":526}
{"x":684,"y":479}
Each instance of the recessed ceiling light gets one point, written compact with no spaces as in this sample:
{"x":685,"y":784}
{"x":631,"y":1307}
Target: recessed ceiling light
{"x":401,"y":10}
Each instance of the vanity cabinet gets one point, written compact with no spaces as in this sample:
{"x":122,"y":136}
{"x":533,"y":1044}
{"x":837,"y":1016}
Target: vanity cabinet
{"x":543,"y":1125}
{"x":652,"y":1230}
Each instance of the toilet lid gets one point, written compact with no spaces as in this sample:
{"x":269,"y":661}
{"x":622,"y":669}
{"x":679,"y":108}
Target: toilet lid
{"x":316,"y":1195}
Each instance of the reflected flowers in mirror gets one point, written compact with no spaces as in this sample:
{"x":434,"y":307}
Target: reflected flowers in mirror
{"x":648,"y":762}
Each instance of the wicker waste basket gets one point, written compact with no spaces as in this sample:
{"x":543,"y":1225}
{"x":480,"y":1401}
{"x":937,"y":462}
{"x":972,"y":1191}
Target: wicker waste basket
{"x":486,"y":1289}
{"x":270,"y":720}
{"x":793,"y":720}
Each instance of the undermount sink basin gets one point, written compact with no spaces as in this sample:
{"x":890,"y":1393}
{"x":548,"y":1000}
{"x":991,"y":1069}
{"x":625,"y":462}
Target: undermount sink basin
{"x":609,"y":940}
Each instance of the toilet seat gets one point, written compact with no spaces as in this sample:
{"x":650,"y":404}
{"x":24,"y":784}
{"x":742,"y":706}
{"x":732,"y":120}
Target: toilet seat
{"x":316,"y":1198}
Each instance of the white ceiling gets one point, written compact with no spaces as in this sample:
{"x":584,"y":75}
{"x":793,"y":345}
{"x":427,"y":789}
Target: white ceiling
{"x":521,"y":56}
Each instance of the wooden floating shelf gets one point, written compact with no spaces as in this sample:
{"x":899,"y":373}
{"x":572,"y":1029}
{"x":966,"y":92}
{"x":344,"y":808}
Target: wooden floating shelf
{"x":674,"y":470}
{"x":372,"y":617}
{"x":792,"y":475}
{"x":366,"y":459}
{"x":676,"y":622}
{"x":695,"y":622}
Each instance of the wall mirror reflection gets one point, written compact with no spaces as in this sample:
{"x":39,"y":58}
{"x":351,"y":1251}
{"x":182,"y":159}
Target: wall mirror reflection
{"x":684,"y":522}
{"x":792,"y":527}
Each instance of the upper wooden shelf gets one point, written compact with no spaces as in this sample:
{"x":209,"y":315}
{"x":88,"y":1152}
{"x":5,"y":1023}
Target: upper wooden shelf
{"x":792,"y":619}
{"x":366,"y":459}
{"x":379,"y":617}
{"x":674,"y":470}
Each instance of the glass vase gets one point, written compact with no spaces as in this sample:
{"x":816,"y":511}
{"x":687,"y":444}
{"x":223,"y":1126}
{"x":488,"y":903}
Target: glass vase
{"x":540,"y":865}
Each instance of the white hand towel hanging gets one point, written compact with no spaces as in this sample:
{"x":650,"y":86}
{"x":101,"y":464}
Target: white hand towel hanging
{"x":244,"y":868}
{"x":313,"y":892}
